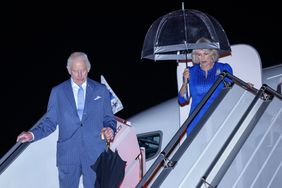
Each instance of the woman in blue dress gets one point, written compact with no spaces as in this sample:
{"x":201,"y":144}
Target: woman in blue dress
{"x":201,"y":76}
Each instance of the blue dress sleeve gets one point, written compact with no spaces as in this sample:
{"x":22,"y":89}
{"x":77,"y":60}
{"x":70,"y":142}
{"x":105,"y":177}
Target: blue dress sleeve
{"x":228,"y":68}
{"x":181,"y":99}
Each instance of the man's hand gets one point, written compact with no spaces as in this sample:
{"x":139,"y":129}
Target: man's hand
{"x":24,"y":137}
{"x":107,"y":133}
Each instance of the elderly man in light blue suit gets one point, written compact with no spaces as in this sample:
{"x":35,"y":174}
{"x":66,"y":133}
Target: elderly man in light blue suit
{"x":79,"y":142}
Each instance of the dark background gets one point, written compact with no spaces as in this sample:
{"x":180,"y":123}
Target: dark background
{"x":37,"y":38}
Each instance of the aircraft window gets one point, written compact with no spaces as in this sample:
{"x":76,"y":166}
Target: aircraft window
{"x":151,"y":142}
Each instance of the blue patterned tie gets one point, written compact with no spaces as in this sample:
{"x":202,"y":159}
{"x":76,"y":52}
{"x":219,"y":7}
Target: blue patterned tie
{"x":80,"y":102}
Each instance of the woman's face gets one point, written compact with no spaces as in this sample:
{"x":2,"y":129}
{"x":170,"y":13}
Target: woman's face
{"x":203,"y":56}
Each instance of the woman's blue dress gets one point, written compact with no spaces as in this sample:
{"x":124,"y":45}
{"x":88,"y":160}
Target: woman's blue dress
{"x":199,"y":85}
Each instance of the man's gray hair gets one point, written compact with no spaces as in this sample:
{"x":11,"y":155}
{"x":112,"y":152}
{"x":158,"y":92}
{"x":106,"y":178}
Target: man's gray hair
{"x":78,"y":55}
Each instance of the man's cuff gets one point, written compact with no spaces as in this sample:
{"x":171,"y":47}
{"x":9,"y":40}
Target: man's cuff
{"x":32,"y":136}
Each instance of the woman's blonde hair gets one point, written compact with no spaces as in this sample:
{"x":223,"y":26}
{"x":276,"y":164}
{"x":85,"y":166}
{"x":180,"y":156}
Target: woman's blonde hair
{"x":211,"y":51}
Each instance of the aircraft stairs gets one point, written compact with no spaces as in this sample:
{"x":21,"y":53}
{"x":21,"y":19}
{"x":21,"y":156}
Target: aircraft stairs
{"x":237,"y":143}
{"x":33,"y":164}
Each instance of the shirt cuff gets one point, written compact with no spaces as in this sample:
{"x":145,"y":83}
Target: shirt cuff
{"x":32,"y":136}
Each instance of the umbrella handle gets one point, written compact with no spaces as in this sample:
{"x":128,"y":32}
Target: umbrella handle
{"x":103,"y":136}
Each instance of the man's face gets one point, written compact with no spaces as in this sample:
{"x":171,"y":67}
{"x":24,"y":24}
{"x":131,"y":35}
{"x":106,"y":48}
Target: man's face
{"x":78,"y":71}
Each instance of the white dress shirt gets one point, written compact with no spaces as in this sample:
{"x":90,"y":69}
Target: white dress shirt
{"x":75,"y":88}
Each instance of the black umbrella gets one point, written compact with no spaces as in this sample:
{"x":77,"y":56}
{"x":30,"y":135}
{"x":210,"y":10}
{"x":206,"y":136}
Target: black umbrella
{"x":174,"y":35}
{"x":109,"y":168}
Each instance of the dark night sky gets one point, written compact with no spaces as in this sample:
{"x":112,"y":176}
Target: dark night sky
{"x":36,"y":40}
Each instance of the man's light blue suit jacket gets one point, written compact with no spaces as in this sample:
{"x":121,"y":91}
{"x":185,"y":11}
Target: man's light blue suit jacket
{"x":77,"y":136}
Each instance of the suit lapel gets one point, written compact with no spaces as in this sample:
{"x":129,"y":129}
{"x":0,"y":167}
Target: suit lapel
{"x":89,"y":95}
{"x":69,"y":95}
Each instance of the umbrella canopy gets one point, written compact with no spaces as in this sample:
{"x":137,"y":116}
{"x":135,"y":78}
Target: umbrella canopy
{"x":174,"y":35}
{"x":109,"y":168}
